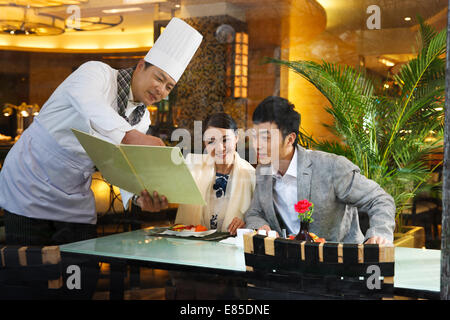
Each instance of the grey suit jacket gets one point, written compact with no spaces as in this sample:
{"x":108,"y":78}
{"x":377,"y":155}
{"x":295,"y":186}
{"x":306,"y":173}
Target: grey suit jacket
{"x":337,"y":189}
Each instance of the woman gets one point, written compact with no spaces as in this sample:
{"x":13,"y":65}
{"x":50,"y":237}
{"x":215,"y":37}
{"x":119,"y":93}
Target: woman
{"x":225,"y":180}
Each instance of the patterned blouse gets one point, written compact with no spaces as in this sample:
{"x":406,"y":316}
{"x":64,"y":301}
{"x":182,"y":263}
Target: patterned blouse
{"x":219,"y":200}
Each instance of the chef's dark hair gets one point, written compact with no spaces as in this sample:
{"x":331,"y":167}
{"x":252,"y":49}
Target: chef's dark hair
{"x":220,"y":120}
{"x":147,"y":65}
{"x":281,"y":112}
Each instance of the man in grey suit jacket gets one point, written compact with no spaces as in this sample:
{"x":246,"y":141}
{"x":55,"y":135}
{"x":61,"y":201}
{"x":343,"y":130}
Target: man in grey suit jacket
{"x":288,"y":173}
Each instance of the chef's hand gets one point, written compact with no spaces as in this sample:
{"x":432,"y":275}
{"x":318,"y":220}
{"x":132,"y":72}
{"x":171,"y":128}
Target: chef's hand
{"x":377,"y":240}
{"x":153,"y":141}
{"x":235,"y":224}
{"x":152,"y":204}
{"x":138,"y":138}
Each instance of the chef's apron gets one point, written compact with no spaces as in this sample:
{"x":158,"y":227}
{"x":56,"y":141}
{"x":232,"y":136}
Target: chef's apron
{"x":42,"y":180}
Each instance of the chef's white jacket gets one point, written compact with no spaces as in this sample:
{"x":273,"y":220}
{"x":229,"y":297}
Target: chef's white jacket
{"x":87,"y":101}
{"x":47,"y":173}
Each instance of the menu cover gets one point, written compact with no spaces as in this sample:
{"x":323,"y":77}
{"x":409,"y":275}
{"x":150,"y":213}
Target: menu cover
{"x":135,"y":168}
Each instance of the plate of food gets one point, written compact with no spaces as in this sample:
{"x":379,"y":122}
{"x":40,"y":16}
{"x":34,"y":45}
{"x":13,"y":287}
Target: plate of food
{"x":181,"y":230}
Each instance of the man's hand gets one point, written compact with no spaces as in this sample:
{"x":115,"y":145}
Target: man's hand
{"x":267,"y":228}
{"x":377,"y":240}
{"x":152,"y":204}
{"x":235,"y":224}
{"x":137,"y":138}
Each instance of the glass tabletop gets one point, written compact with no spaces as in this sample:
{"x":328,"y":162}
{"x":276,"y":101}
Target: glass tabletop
{"x":140,"y":245}
{"x":417,"y":269}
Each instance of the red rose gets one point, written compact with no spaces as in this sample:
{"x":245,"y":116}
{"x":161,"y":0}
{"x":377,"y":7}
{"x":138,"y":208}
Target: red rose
{"x":302,"y":206}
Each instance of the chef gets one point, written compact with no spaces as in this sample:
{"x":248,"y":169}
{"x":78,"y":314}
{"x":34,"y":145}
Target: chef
{"x":46,"y":178}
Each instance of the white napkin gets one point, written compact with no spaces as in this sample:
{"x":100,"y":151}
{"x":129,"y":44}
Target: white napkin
{"x":239,"y":239}
{"x":230,"y":240}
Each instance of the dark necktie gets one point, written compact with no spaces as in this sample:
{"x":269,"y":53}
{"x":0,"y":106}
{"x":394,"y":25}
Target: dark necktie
{"x":123,"y":89}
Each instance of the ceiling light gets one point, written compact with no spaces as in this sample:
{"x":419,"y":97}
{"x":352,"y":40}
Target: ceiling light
{"x":386,"y":62}
{"x":141,"y":1}
{"x":18,"y":21}
{"x":24,"y":21}
{"x":7,"y":110}
{"x":407,"y":18}
{"x":97,"y":23}
{"x":118,"y":10}
{"x":41,"y":3}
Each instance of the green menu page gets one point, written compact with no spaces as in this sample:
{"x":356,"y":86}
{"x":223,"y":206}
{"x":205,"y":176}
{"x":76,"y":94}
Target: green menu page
{"x":135,"y":168}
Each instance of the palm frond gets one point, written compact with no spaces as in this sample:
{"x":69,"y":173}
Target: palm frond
{"x":411,"y":75}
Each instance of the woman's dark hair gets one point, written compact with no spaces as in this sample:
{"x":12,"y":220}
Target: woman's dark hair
{"x":220,"y":120}
{"x":281,"y":112}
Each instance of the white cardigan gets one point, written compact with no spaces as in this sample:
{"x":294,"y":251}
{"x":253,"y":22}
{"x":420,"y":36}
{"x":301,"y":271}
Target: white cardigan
{"x":242,"y":179}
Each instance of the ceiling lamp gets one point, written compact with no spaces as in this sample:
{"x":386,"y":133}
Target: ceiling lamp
{"x":97,"y":23}
{"x":386,"y":62}
{"x":123,"y":10}
{"x":41,"y":3}
{"x":21,"y":20}
{"x":18,"y":20}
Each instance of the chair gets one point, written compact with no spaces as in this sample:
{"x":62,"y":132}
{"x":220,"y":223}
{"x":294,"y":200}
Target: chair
{"x":2,"y":228}
{"x":426,"y":208}
{"x":30,"y":272}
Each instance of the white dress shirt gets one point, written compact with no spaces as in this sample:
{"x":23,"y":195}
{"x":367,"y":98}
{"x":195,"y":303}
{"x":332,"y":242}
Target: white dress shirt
{"x":285,"y":195}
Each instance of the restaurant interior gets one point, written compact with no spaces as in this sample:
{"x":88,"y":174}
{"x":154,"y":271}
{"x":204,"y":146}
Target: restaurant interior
{"x":43,"y":41}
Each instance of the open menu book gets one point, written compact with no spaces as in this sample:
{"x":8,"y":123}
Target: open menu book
{"x":136,"y":168}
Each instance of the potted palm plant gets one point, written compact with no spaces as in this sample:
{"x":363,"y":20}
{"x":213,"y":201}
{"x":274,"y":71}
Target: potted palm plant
{"x":388,"y":136}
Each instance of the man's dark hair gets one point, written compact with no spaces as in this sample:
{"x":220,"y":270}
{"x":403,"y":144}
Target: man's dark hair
{"x":281,"y":112}
{"x":220,"y":120}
